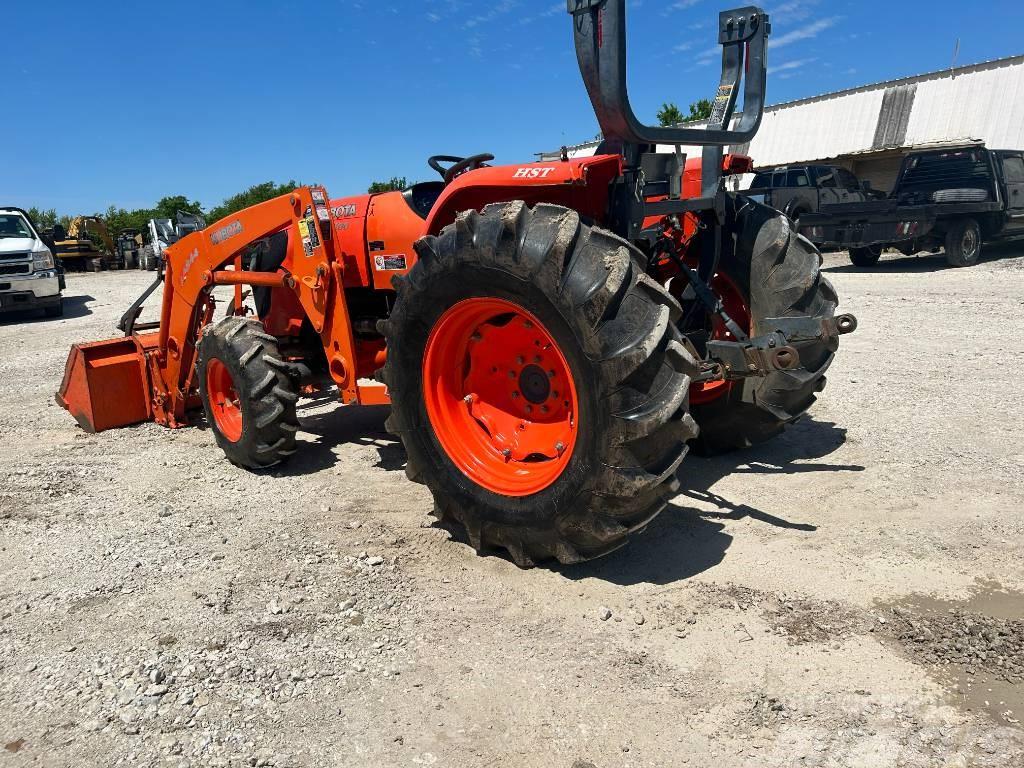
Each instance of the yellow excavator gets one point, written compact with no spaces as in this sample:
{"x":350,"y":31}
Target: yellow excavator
{"x":76,"y":250}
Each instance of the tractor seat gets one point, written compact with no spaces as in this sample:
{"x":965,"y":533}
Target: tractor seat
{"x":421,"y":197}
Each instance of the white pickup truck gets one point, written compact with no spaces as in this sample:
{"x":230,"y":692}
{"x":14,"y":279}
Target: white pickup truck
{"x":29,"y":279}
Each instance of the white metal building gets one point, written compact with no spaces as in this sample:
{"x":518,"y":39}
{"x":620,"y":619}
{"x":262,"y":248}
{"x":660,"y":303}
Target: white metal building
{"x":870,"y":128}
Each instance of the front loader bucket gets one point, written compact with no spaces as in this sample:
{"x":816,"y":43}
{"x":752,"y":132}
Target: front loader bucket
{"x":106,"y":384}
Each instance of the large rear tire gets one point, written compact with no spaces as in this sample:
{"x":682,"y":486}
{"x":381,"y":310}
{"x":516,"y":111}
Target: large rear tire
{"x":605,"y":331}
{"x":248,"y":395}
{"x":778,"y":274}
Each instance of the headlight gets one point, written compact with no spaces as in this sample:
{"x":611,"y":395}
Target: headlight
{"x":42,"y":260}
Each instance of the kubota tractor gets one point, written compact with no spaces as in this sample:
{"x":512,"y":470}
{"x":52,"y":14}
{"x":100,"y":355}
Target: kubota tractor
{"x":550,"y":336}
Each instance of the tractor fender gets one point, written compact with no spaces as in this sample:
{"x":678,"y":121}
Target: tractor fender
{"x":579,"y":183}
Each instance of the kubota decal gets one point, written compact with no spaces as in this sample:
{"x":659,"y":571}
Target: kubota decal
{"x":532,"y":173}
{"x":228,"y":230}
{"x":190,"y":261}
{"x":344,"y":211}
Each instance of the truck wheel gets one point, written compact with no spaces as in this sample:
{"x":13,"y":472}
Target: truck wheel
{"x":538,"y":383}
{"x":248,"y":397}
{"x":767,"y":270}
{"x":866,"y":257}
{"x":963,"y":243}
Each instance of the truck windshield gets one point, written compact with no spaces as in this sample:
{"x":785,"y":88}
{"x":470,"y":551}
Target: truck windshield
{"x":14,"y":225}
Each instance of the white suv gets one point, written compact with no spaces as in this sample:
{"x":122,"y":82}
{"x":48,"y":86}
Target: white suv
{"x":29,"y":278}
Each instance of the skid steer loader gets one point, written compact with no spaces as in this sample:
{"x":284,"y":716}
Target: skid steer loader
{"x":551,"y":337}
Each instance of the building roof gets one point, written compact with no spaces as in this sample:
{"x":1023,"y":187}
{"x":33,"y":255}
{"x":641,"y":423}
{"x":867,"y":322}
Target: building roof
{"x":982,"y":102}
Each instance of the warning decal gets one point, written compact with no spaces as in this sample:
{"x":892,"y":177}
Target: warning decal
{"x":719,"y":106}
{"x":387,"y":263}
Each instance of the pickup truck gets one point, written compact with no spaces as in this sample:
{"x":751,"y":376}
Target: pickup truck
{"x":29,"y":279}
{"x":797,"y":190}
{"x":956,"y":197}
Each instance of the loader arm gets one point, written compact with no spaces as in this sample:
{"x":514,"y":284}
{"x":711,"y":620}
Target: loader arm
{"x":194,"y":266}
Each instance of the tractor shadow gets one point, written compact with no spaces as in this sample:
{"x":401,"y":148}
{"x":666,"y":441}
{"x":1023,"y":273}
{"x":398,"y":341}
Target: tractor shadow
{"x":685,"y":541}
{"x":324,"y":428}
{"x":682,"y":542}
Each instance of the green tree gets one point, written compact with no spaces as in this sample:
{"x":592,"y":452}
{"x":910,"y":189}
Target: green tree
{"x":44,"y":218}
{"x":258,"y":193}
{"x":699,"y":110}
{"x":395,"y":183}
{"x":168,"y":207}
{"x":669,"y":115}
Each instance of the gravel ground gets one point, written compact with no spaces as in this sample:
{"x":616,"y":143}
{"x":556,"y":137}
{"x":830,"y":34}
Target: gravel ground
{"x":849,"y":595}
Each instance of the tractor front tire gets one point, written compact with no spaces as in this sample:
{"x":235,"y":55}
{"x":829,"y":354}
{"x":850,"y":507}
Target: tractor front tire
{"x":778,"y":273}
{"x":248,"y":395}
{"x":528,"y":318}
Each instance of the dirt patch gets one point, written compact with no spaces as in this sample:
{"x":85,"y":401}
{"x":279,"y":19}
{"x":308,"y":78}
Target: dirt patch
{"x":977,"y":645}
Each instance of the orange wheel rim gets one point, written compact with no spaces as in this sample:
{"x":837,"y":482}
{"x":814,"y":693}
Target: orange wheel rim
{"x":736,"y":307}
{"x":227,"y":411}
{"x":500,"y":396}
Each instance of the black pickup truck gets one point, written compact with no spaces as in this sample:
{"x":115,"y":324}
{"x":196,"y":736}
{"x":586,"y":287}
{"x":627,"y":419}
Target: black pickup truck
{"x":957,"y":198}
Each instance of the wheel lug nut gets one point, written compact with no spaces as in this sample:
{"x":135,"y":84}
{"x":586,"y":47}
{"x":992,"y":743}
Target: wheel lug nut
{"x":520,"y":360}
{"x":559,"y":447}
{"x":544,"y":409}
{"x":537,"y":358}
{"x":511,"y":374}
{"x":468,"y":399}
{"x":529,"y":409}
{"x":515,"y":395}
{"x":551,"y":374}
{"x":507,"y":453}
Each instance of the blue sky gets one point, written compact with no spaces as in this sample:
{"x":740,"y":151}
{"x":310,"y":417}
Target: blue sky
{"x":123,"y":103}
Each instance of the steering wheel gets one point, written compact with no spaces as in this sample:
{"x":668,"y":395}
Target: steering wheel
{"x":459,"y":165}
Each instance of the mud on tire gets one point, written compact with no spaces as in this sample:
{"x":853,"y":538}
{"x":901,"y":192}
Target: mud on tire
{"x":779,"y":273}
{"x":613,"y":325}
{"x":266,"y":394}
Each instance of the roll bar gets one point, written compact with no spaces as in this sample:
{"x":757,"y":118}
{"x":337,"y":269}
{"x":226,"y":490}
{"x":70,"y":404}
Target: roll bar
{"x":600,"y":31}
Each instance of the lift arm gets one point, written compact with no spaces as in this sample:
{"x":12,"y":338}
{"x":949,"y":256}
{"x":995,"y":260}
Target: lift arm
{"x":196,"y":264}
{"x":150,"y":375}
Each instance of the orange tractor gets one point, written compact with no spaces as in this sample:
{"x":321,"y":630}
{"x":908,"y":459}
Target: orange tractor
{"x":551,"y":337}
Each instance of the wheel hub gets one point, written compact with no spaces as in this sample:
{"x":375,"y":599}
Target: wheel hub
{"x":500,"y":396}
{"x":969,"y":243}
{"x":534,"y":384}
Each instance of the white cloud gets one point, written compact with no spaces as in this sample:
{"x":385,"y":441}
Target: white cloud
{"x":802,"y":33}
{"x":790,"y":65}
{"x":499,"y":9}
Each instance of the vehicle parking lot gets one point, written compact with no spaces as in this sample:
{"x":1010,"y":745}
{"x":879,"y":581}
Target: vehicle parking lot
{"x":851,"y":594}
